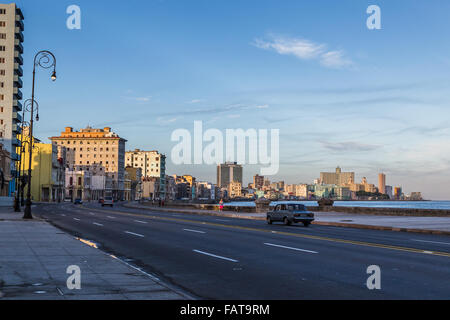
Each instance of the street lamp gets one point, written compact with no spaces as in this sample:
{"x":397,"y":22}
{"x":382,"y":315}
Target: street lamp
{"x":46,"y":60}
{"x":26,"y":108}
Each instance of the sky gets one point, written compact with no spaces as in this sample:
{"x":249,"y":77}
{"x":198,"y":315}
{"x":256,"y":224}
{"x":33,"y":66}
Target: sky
{"x":368,"y":101}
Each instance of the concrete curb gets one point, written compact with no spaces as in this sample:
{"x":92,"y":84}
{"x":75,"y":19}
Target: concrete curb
{"x":322,"y":223}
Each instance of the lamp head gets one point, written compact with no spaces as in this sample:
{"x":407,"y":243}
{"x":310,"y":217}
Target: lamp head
{"x":53,"y":76}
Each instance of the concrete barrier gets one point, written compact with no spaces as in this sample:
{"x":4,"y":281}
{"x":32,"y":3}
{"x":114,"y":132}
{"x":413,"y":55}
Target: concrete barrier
{"x":352,"y":210}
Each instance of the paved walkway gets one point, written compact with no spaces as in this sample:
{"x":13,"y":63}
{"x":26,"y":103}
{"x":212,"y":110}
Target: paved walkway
{"x":34,"y":257}
{"x":434,"y":225}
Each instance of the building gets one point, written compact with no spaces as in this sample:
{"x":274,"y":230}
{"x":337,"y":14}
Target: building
{"x":11,"y":49}
{"x":258,"y":182}
{"x":234,"y":189}
{"x":398,"y":193}
{"x":228,"y":172}
{"x":5,"y":176}
{"x":338,"y":177}
{"x":135,"y":177}
{"x":382,"y":183}
{"x":389,"y":192}
{"x":47,"y":171}
{"x":96,"y":147}
{"x":152,"y":164}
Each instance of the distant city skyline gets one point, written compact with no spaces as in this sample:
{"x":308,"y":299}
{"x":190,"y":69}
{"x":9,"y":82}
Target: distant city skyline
{"x":370,"y":101}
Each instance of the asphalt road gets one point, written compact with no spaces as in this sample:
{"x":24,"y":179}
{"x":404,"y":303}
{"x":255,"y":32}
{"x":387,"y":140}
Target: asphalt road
{"x":225,"y":258}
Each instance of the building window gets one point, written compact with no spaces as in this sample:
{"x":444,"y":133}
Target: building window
{"x":2,"y":60}
{"x":2,"y":72}
{"x":2,"y":48}
{"x":2,"y":35}
{"x":2,"y":23}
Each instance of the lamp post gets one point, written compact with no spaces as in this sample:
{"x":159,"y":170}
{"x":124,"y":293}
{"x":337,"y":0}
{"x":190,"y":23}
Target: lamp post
{"x":26,"y":108}
{"x":46,"y":60}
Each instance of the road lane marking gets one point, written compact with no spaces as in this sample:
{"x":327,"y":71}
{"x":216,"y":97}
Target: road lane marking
{"x":139,"y":221}
{"x":111,"y":217}
{"x":290,"y":248}
{"x":437,"y":242}
{"x":63,"y":215}
{"x":215,"y":256}
{"x":97,"y":224}
{"x":297,"y":235}
{"x":223,"y":220}
{"x":76,"y":219}
{"x":91,"y":213}
{"x":135,"y":234}
{"x":190,"y":230}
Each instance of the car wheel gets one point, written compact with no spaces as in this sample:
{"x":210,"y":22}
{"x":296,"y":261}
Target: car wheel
{"x":286,"y":221}
{"x":306,"y":224}
{"x":269,"y":220}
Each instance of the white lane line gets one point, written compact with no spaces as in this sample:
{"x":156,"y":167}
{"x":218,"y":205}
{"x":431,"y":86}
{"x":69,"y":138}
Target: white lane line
{"x":215,"y":256}
{"x":91,"y":213}
{"x":110,"y":217}
{"x":139,"y":221}
{"x":63,"y":215}
{"x":191,"y":230}
{"x":97,"y":224}
{"x":135,"y":234}
{"x":76,"y":219}
{"x":290,"y":248}
{"x":447,"y":243}
{"x":223,"y":220}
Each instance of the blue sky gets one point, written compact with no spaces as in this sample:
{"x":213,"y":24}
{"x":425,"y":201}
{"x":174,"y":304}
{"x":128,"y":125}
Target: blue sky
{"x":366,"y":100}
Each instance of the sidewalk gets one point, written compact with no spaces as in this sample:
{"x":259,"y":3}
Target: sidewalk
{"x":431,"y":225}
{"x":34,"y":257}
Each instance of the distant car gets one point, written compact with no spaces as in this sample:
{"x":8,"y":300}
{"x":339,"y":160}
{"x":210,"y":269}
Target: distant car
{"x":67,"y":199}
{"x":78,"y":201}
{"x":290,"y":212}
{"x":101,"y":200}
{"x":108,"y":201}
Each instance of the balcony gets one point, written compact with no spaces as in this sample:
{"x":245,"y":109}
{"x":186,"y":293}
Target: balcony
{"x":17,"y":117}
{"x":19,"y":24}
{"x":17,"y":106}
{"x":18,"y":58}
{"x":17,"y":81}
{"x":18,"y":69}
{"x":16,"y":128}
{"x":16,"y":142}
{"x":18,"y":45}
{"x":17,"y":93}
{"x":19,"y":34}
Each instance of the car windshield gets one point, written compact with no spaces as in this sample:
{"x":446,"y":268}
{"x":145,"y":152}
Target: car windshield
{"x":108,"y":198}
{"x":296,"y":207}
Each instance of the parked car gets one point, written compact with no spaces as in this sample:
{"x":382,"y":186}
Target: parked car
{"x":101,"y":200}
{"x":290,"y":212}
{"x":67,"y":199}
{"x":78,"y":201}
{"x":108,"y":201}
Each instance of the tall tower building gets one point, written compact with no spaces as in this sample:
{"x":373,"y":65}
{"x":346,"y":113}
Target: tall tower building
{"x":11,"y":49}
{"x":382,"y":183}
{"x":228,"y":172}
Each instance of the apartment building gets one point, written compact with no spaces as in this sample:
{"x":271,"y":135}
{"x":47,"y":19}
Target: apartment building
{"x":153,"y":165}
{"x":11,"y":61}
{"x":228,"y":172}
{"x":102,"y":147}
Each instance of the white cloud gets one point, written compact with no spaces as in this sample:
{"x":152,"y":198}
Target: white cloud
{"x":305,"y":50}
{"x":264,"y":106}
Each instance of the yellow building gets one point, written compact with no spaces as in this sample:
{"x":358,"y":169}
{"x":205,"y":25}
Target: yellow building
{"x":47,"y":171}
